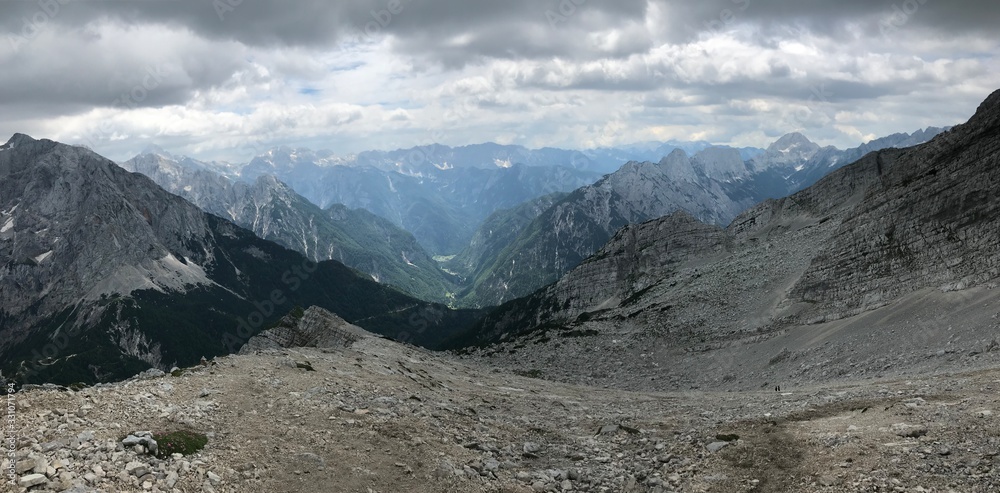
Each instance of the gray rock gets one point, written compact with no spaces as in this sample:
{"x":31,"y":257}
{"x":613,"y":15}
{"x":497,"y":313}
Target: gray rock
{"x":909,"y":431}
{"x":491,"y":465}
{"x":141,"y":438}
{"x":716,"y":446}
{"x":608,"y":429}
{"x":310,"y":462}
{"x":25,"y":465}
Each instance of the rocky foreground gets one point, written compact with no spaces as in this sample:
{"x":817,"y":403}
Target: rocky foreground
{"x":381,"y":417}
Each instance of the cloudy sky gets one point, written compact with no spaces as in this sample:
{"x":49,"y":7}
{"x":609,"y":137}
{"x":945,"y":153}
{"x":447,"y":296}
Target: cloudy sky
{"x":225,"y":79}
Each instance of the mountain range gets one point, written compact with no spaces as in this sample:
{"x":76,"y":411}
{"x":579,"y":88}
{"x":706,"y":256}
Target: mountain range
{"x":889,"y":262}
{"x":714,"y":185}
{"x":440,"y":203}
{"x":455,"y":199}
{"x":103,"y":273}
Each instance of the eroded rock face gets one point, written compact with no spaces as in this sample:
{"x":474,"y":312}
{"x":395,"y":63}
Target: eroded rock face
{"x":930,"y":221}
{"x":315,"y":327}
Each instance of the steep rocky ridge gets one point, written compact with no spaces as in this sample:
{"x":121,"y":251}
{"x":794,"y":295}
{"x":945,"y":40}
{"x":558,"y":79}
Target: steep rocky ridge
{"x":713,"y":185}
{"x":576,"y":226}
{"x":930,"y":223}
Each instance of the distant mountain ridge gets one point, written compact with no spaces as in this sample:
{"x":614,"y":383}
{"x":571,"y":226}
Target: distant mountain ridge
{"x":441,"y":207}
{"x":275,"y":212}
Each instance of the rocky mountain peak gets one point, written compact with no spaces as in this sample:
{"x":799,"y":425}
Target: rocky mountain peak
{"x":155,"y":150}
{"x":988,"y":113}
{"x":16,"y":140}
{"x":721,"y":163}
{"x":677,"y":166}
{"x":674,"y":155}
{"x":791,"y":141}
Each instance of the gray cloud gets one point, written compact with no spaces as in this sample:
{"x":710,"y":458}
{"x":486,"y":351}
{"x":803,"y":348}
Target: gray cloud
{"x":726,"y":65}
{"x":487,"y":28}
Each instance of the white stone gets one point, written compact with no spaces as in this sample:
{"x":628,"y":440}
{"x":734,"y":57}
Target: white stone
{"x":31,"y":480}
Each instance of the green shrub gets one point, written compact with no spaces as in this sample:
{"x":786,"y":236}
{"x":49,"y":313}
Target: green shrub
{"x":183,"y":442}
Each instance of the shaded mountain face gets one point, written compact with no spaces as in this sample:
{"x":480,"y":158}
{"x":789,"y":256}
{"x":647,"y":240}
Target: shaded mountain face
{"x":273,"y":211}
{"x":573,"y":228}
{"x":103,"y":273}
{"x":880,"y":263}
{"x":713,"y":185}
{"x":440,"y":204}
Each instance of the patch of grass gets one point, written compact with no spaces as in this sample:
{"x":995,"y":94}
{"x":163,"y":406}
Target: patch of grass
{"x":184,"y":442}
{"x":533,"y":373}
{"x":177,"y":373}
{"x":305,"y":366}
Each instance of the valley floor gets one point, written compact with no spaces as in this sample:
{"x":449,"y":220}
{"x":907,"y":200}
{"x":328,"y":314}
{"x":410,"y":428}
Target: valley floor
{"x":380,"y":417}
